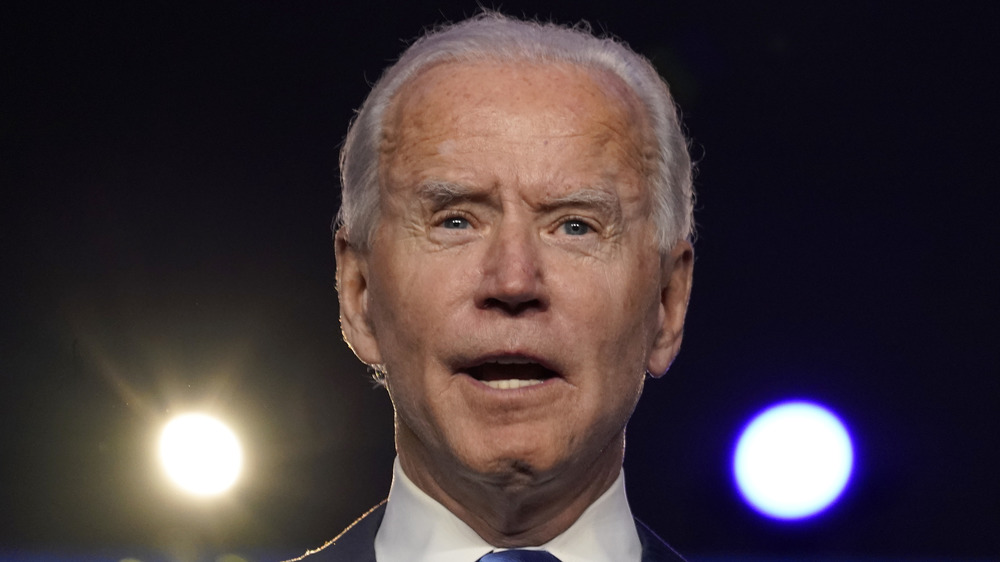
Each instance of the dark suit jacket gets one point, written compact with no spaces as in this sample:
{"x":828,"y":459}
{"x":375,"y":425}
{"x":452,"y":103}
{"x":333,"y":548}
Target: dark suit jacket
{"x":357,"y":543}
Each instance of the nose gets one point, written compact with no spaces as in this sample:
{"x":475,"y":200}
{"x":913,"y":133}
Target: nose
{"x":512,"y":272}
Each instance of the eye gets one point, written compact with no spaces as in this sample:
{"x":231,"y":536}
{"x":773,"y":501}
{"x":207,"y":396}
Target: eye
{"x":455,"y":223}
{"x":576,"y":227}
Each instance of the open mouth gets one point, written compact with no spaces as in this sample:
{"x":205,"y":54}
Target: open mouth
{"x":506,"y":373}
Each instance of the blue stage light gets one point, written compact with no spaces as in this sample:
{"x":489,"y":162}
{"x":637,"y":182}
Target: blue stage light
{"x":793,"y":460}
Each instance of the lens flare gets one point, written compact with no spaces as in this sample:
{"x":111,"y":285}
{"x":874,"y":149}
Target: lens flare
{"x":200,"y":454}
{"x":793,"y":460}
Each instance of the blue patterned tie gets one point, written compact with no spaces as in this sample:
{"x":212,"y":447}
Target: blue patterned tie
{"x":519,"y":556}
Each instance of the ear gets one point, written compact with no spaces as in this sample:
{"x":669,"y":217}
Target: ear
{"x":675,"y":289}
{"x":352,"y":289}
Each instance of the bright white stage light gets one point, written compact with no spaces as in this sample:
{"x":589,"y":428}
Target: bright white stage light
{"x":200,"y":454}
{"x":793,"y":460}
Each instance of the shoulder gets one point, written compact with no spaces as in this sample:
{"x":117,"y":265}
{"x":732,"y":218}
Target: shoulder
{"x":655,"y":549}
{"x":355,"y":544}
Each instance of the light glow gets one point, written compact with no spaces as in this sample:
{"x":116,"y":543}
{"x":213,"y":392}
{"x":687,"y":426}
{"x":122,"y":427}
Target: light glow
{"x":200,"y":454}
{"x":793,"y":460}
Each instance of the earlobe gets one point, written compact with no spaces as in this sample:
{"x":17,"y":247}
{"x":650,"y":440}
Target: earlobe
{"x":676,"y":271}
{"x":352,"y":291}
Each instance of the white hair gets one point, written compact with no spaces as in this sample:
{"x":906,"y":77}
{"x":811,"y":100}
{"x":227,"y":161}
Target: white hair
{"x":491,"y":36}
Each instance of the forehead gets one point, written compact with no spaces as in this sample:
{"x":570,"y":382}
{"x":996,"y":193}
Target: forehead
{"x":521,"y":101}
{"x":527,"y":85}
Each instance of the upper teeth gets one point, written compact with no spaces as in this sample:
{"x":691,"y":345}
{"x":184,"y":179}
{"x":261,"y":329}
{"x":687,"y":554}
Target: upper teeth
{"x":512,"y":361}
{"x":508,"y":384}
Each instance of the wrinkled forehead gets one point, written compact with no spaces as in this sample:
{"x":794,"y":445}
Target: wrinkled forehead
{"x":567,"y":94}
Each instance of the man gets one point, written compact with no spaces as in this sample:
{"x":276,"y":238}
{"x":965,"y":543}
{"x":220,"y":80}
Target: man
{"x":512,"y":260}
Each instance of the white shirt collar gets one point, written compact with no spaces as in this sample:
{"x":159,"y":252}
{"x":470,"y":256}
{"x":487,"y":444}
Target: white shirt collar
{"x":416,"y":528}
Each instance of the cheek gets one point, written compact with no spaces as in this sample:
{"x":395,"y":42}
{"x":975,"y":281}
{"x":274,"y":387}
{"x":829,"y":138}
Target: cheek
{"x":412,"y":301}
{"x":628,"y":292}
{"x":391,"y":310}
{"x":625,"y":319}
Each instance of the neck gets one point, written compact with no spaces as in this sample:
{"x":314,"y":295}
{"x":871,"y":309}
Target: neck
{"x":515,"y":506}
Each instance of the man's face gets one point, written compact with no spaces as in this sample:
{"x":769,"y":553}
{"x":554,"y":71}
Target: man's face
{"x":514,"y":291}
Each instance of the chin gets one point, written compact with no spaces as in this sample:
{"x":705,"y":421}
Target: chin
{"x":517,"y":460}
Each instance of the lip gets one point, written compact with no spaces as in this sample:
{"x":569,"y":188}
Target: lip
{"x":509,"y":392}
{"x":527,"y":371}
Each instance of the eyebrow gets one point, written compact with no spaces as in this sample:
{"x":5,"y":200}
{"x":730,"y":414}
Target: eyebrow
{"x":605,"y":203}
{"x":440,"y":194}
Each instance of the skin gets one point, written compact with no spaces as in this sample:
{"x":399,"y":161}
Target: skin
{"x":515,"y":227}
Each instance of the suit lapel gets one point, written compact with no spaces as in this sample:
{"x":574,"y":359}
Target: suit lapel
{"x":355,"y":544}
{"x":654,"y":549}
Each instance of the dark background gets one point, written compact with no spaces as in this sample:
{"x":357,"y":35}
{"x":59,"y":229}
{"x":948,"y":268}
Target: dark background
{"x":169,"y":173}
